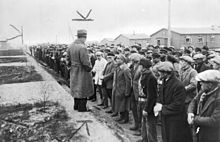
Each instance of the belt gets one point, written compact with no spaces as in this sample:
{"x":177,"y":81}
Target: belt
{"x":142,"y":99}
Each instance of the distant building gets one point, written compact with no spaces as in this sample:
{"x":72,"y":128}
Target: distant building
{"x":197,"y":37}
{"x":4,"y":45}
{"x":132,"y":39}
{"x":107,"y":41}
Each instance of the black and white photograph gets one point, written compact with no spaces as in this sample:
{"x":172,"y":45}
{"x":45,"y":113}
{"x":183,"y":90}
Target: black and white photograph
{"x":109,"y":71}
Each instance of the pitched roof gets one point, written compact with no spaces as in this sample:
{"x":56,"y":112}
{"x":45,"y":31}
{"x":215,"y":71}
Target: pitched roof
{"x":108,"y":39}
{"x":204,"y":30}
{"x":134,"y":36}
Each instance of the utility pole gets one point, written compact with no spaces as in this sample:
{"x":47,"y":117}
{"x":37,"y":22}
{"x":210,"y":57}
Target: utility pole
{"x":20,"y":33}
{"x":169,"y":32}
{"x":22,"y":36}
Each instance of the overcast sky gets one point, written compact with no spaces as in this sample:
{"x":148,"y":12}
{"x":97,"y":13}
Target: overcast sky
{"x":50,"y":20}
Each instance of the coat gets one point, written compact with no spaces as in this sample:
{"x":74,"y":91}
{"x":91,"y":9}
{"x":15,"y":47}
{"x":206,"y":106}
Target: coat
{"x":98,"y":69}
{"x":136,"y":74}
{"x":108,"y":75}
{"x":149,"y":85}
{"x":207,"y":117}
{"x":187,"y":76}
{"x":121,"y":89}
{"x":172,"y":96}
{"x":81,"y":83}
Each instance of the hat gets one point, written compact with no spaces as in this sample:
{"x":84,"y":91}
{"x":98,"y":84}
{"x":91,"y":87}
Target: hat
{"x":145,"y":63}
{"x":208,"y":76}
{"x":136,"y":46}
{"x":165,"y":67}
{"x":135,"y":56}
{"x":163,"y":51}
{"x":126,"y":49}
{"x":107,"y":50}
{"x":216,"y":60}
{"x":122,"y":57}
{"x":197,"y":49}
{"x":82,"y":33}
{"x":187,"y":59}
{"x":187,"y":51}
{"x":168,"y":49}
{"x":198,"y":56}
{"x":172,"y":59}
{"x":98,"y":53}
{"x":155,"y":55}
{"x":110,"y":54}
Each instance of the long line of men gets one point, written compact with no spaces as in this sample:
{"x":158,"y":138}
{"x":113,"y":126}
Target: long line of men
{"x":165,"y":83}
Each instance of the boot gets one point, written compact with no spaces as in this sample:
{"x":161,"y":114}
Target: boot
{"x":134,"y":128}
{"x":121,"y":117}
{"x":114,"y":114}
{"x":82,"y":105}
{"x":125,"y":118}
{"x":76,"y":104}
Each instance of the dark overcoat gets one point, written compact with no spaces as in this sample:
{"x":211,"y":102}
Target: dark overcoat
{"x":121,"y":89}
{"x":81,"y":84}
{"x":207,"y":117}
{"x":136,"y":74}
{"x":172,"y":96}
{"x":108,"y":75}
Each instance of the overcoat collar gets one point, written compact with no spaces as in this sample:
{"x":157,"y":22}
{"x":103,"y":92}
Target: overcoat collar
{"x":211,"y":99}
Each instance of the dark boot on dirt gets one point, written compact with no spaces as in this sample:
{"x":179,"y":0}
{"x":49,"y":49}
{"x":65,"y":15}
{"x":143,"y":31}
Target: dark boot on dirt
{"x":134,"y":128}
{"x":76,"y":104}
{"x":125,"y":118}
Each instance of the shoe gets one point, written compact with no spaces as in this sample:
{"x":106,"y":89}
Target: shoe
{"x":138,"y":133}
{"x":93,"y":100}
{"x":75,"y":107}
{"x":86,"y":110}
{"x":134,"y":128}
{"x":123,"y":121}
{"x":105,"y":107}
{"x":109,"y":111}
{"x":114,"y":115}
{"x":119,"y":119}
{"x":101,"y":104}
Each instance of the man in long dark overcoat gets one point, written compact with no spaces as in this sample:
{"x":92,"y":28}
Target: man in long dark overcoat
{"x":171,"y":106}
{"x":81,"y":84}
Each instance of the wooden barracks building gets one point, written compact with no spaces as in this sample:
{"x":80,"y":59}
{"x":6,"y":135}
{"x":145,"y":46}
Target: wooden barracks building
{"x":197,"y":37}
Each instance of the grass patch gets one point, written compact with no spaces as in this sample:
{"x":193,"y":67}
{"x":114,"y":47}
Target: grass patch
{"x":13,"y":59}
{"x":18,"y":74}
{"x":11,"y":52}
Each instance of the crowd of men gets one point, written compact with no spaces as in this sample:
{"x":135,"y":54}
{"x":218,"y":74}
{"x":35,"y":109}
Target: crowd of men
{"x":178,"y":86}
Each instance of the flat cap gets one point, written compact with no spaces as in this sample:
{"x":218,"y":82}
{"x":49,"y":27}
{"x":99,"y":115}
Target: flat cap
{"x":145,"y":63}
{"x":163,"y":51}
{"x":126,"y":49}
{"x":135,"y":56}
{"x":187,"y":59}
{"x":198,"y":56}
{"x":216,"y":60}
{"x":82,"y":32}
{"x":110,"y":54}
{"x":172,"y":59}
{"x":208,"y":76}
{"x":165,"y":67}
{"x":156,"y":55}
{"x":98,"y":53}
